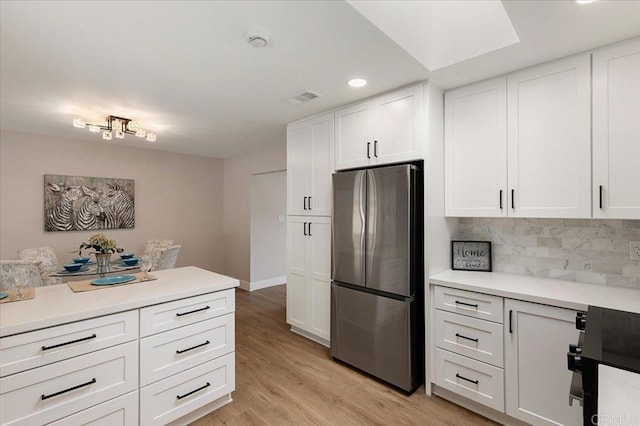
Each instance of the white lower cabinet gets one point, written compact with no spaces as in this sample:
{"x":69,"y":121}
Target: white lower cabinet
{"x":537,"y":378}
{"x":120,"y":411}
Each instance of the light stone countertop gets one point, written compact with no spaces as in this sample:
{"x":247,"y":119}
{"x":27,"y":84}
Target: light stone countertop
{"x":58,"y":304}
{"x":564,"y":294}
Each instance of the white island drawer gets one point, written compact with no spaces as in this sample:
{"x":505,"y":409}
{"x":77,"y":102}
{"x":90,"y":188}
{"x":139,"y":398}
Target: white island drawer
{"x":120,"y":411}
{"x":472,"y":337}
{"x":167,"y":316}
{"x":178,"y":395}
{"x":171,"y":352}
{"x":475,"y":380}
{"x":478,"y":305}
{"x":52,"y":392}
{"x":41,"y":347}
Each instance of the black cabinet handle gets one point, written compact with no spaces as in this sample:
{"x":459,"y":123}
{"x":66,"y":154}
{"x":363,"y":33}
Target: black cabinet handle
{"x":501,"y":199}
{"x":304,"y":229}
{"x":309,"y":203}
{"x":193,"y":391}
{"x":368,"y":148}
{"x":46,"y":348}
{"x":513,"y":196}
{"x":304,"y":203}
{"x":51,"y":395}
{"x":600,"y":196}
{"x":310,"y":230}
{"x":179,"y":314}
{"x":510,"y":321}
{"x":475,"y":382}
{"x":181,"y":351}
{"x":465,"y":337}
{"x":375,"y":149}
{"x":466,"y":304}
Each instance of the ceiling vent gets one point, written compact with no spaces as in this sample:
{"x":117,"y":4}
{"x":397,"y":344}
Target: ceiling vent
{"x":303,"y":97}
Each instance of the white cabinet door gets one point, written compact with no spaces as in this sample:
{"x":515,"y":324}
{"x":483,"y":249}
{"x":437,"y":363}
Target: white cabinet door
{"x":319,"y":280}
{"x":537,"y":339}
{"x":297,"y":157}
{"x":476,"y":149}
{"x":548,"y":136}
{"x":397,"y":126}
{"x":353,"y":136}
{"x":616,"y":132}
{"x":297,"y":261}
{"x":320,"y":165}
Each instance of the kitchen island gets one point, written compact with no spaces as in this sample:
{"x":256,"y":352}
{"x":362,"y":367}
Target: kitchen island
{"x":152,"y":353}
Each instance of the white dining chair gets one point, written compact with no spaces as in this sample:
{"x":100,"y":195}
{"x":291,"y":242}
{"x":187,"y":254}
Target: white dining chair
{"x":12,"y":271}
{"x":154,"y":247}
{"x":167,"y":258}
{"x":48,"y":261}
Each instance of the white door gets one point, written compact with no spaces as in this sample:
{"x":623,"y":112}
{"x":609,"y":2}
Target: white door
{"x":353,"y":136}
{"x":297,"y":261}
{"x":549,"y":142}
{"x":297,"y":155}
{"x":537,"y":339}
{"x":616,"y":132}
{"x":397,"y":126}
{"x":476,"y":149}
{"x":319,"y":278}
{"x":320,"y":165}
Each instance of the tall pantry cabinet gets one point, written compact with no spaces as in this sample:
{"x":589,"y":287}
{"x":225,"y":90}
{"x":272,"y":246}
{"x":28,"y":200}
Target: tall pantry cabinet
{"x":309,"y":169}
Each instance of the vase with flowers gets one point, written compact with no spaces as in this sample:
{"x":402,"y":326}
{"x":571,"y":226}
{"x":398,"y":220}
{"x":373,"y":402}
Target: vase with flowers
{"x":103,"y":247}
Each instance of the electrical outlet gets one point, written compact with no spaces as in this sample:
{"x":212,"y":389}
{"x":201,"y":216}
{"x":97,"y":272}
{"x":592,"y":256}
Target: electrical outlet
{"x":634,"y":250}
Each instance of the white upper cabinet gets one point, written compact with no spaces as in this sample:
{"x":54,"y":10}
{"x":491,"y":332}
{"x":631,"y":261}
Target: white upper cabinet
{"x":383,"y":130}
{"x":548,"y":139}
{"x":309,"y":166}
{"x":476,"y":149}
{"x":616,"y":132}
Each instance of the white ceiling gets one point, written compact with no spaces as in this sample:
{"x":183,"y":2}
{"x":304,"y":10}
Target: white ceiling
{"x":185,"y":71}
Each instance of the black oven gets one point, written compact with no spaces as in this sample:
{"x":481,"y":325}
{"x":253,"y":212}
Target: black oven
{"x":610,"y":338}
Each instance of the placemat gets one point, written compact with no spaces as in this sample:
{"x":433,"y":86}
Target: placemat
{"x":28,"y":293}
{"x":79,"y":286}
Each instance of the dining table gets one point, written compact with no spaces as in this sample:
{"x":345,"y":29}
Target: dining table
{"x":91,"y":268}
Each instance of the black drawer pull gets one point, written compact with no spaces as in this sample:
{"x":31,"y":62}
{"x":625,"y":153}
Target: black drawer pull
{"x":179,"y":314}
{"x":46,"y":348}
{"x":466,"y":304}
{"x":500,"y":199}
{"x":43,"y":397}
{"x":513,"y":199}
{"x":475,"y":382}
{"x":181,"y":351}
{"x":375,"y":149}
{"x":600,"y":196}
{"x":465,"y":337}
{"x":193,"y":391}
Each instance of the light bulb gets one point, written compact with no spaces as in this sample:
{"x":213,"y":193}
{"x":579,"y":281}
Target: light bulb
{"x":119,"y":134}
{"x":106,"y":135}
{"x":357,"y":82}
{"x":141,"y":133}
{"x":151,"y":137}
{"x":93,"y":128}
{"x":79,"y":123}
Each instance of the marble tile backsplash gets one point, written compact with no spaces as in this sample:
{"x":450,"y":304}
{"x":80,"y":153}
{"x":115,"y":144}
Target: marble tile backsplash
{"x":590,"y":250}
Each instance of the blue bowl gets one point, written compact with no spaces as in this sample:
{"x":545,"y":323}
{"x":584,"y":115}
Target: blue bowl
{"x":130,"y":261}
{"x":73,"y":267}
{"x":126,"y":256}
{"x":82,"y":260}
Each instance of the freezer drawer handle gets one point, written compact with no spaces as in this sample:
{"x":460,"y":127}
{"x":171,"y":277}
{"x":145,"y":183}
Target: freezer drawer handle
{"x":193,"y":391}
{"x":181,"y":351}
{"x":475,"y":382}
{"x":46,"y":348}
{"x":179,"y":314}
{"x":465,"y":337}
{"x":51,"y":395}
{"x":466,"y":304}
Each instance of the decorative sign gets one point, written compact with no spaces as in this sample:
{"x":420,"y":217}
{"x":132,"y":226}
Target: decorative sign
{"x":471,"y":255}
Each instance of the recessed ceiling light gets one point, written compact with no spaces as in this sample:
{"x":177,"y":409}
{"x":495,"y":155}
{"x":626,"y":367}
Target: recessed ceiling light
{"x":584,"y":1}
{"x":357,"y":82}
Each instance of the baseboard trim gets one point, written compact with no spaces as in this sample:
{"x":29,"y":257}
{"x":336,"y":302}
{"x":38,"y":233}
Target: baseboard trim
{"x":310,"y":336}
{"x":245,"y":285}
{"x":269,"y":282}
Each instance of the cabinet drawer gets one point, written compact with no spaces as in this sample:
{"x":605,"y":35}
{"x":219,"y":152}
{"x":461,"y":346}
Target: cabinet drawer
{"x":121,"y":411}
{"x":472,"y":379}
{"x":171,"y":398}
{"x":472,"y":337}
{"x":167,"y":316}
{"x":37,"y":348}
{"x":54,"y":391}
{"x":173,"y":351}
{"x":469,"y":303}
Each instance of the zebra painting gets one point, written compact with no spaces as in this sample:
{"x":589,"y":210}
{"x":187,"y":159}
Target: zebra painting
{"x":77,"y":203}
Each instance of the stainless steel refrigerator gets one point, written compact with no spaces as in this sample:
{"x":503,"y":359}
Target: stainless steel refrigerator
{"x":377,"y":303}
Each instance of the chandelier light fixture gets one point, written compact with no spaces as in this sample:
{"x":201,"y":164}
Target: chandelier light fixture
{"x":116,"y":126}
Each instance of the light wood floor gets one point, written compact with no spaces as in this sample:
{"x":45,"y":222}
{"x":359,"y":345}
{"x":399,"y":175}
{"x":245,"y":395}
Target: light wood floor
{"x":283,"y":378}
